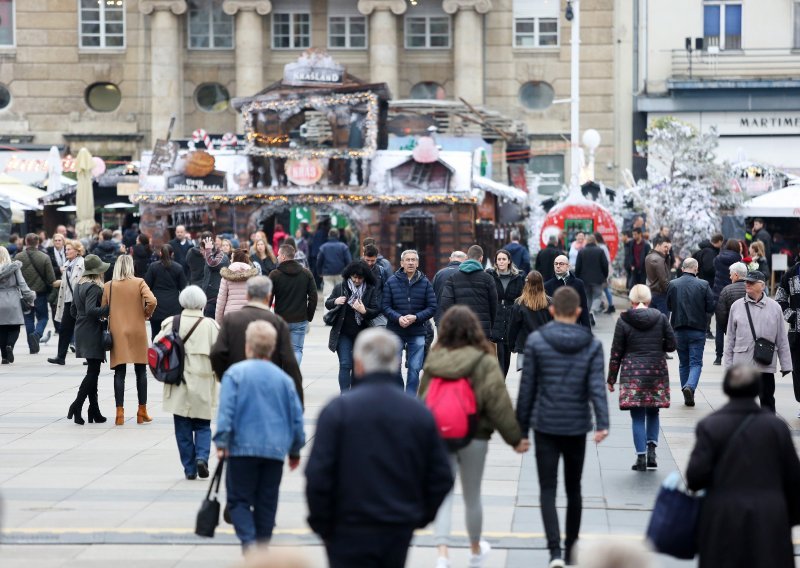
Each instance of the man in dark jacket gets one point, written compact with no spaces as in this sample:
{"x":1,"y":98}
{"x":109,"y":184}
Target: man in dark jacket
{"x":636,"y":251}
{"x":215,"y":261}
{"x":727,"y":297}
{"x":181,"y":245}
{"x":709,"y":249}
{"x":562,"y":384}
{"x":408,"y":302}
{"x":382,"y":260}
{"x":107,"y":250}
{"x":471,"y":286}
{"x":519,"y":254}
{"x":788,"y":296}
{"x":332,"y":259}
{"x":229,"y":347}
{"x":760,"y":234}
{"x":441,"y":278}
{"x":295,"y":295}
{"x":563,"y":277}
{"x":546,"y":257}
{"x":689,"y":299}
{"x":195,"y":260}
{"x":38,"y":273}
{"x":658,"y":273}
{"x":368,"y":486}
{"x":592,"y":268}
{"x":372,"y":258}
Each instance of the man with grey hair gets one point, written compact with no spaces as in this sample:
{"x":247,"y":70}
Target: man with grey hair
{"x":441,"y":278}
{"x":230,"y":345}
{"x":727,"y":297}
{"x":408,"y":303}
{"x":368,"y":486}
{"x":689,"y":299}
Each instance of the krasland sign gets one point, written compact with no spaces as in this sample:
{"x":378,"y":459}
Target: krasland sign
{"x":314,"y":67}
{"x":304,"y":172}
{"x":743,"y":123}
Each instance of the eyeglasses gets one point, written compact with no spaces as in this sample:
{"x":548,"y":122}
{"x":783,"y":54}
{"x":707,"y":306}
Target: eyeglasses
{"x":560,"y":263}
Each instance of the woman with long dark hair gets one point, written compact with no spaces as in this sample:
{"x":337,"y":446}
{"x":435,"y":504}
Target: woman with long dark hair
{"x":89,"y":336}
{"x":355,"y":300}
{"x":509,"y":282}
{"x":462,"y":351}
{"x":142,"y":255}
{"x":165,"y":278}
{"x":531,"y":311}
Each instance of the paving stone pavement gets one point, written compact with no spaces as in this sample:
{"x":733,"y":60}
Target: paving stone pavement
{"x":89,"y":496}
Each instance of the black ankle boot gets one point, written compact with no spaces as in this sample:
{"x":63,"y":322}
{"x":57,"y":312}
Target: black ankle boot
{"x":94,"y":408}
{"x":651,"y":455}
{"x":641,"y":463}
{"x":75,"y":413}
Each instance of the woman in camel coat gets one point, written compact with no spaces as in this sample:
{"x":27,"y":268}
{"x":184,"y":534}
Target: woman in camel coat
{"x":131,"y":303}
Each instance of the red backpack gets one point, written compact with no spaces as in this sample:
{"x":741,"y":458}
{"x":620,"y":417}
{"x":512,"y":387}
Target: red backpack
{"x":455,"y":410}
{"x":165,"y":356}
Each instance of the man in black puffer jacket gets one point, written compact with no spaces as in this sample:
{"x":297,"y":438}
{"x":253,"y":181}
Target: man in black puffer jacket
{"x":472,"y":287}
{"x":562,"y":383}
{"x":592,"y":268}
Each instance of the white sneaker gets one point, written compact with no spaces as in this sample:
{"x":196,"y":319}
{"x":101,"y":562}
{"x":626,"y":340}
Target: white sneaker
{"x":442,"y":562}
{"x":556,"y":563}
{"x":476,"y":560}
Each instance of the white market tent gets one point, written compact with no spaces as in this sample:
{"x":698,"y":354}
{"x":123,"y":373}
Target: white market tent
{"x":22,"y":196}
{"x":780,"y":203}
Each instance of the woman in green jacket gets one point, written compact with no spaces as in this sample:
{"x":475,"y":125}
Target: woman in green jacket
{"x":462,"y":350}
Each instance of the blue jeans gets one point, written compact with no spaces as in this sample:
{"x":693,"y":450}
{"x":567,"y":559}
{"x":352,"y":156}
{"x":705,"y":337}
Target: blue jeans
{"x":659,"y":302}
{"x":298,"y":332}
{"x":39,"y":311}
{"x":344,"y":349}
{"x":691,"y":343}
{"x":645,"y":424}
{"x":194,"y":441}
{"x":253,"y":485}
{"x":415,"y":347}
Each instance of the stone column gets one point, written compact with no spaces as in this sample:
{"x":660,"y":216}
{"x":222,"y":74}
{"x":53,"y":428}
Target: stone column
{"x":249,"y":46}
{"x":383,"y":42}
{"x":468,"y":47}
{"x":166,"y":65}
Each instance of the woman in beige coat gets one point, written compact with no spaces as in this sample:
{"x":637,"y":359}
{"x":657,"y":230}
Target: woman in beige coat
{"x":194,"y":401}
{"x":131,"y":303}
{"x":233,"y":286}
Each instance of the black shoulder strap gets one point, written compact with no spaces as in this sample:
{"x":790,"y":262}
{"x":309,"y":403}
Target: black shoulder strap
{"x":176,"y":323}
{"x":750,"y":319}
{"x":33,"y":263}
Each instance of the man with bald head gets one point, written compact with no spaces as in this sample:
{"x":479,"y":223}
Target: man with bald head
{"x":441,"y":278}
{"x":563,"y":277}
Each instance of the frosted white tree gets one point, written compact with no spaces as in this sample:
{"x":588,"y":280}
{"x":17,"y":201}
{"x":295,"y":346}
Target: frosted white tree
{"x":686,"y":188}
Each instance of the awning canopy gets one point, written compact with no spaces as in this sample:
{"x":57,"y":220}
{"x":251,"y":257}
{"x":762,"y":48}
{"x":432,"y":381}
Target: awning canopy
{"x":780,"y":203}
{"x":16,"y":191}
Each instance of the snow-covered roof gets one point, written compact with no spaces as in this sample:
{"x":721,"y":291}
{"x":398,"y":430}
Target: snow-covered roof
{"x":499,"y":189}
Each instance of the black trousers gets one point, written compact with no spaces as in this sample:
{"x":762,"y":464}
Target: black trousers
{"x":155,"y":327}
{"x":8,"y":336}
{"x":549,"y":450}
{"x":374,"y":548}
{"x":719,"y":340}
{"x":67,"y":329}
{"x":795,"y":350}
{"x":141,"y":383}
{"x":504,"y":357}
{"x":767,"y":394}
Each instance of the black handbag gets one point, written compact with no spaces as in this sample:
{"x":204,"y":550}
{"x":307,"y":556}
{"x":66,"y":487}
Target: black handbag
{"x":764,"y":350}
{"x":108,"y":340}
{"x":330,"y":316}
{"x":24,"y":304}
{"x":208,"y":515}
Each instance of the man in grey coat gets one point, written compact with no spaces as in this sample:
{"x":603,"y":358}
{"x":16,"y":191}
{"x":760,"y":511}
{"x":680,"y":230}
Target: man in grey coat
{"x":767,"y":323}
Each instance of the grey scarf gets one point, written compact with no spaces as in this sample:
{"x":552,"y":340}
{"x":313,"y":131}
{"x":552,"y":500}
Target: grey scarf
{"x":356,"y":293}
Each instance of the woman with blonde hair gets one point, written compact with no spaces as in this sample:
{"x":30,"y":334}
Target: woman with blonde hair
{"x":71,"y":274}
{"x":642,"y":338}
{"x":130,"y":303}
{"x":531,"y":311}
{"x":89,"y":336}
{"x":13,"y":288}
{"x":758,"y":254}
{"x":262,"y":256}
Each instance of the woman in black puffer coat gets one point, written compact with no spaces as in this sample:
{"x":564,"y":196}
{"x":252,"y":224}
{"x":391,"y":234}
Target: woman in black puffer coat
{"x":641,"y":339}
{"x":529,"y":313}
{"x":510,"y":282}
{"x":722,"y":265}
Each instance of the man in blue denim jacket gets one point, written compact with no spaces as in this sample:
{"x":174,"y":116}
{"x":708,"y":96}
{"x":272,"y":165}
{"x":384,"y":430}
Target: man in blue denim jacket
{"x":260,"y":421}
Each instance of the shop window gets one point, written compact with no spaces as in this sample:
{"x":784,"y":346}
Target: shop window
{"x":722,"y":25}
{"x":536,"y":95}
{"x":428,"y":90}
{"x":209,"y":26}
{"x":536,"y":23}
{"x":102,"y":23}
{"x":6,"y":23}
{"x":5,"y":97}
{"x":103,"y":97}
{"x":212,"y":97}
{"x":291,"y":30}
{"x":347,"y":32}
{"x":432,"y":32}
{"x":551,"y":169}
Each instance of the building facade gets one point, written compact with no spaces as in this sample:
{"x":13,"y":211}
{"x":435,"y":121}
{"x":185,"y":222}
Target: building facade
{"x":731,"y":64}
{"x":109,"y":74}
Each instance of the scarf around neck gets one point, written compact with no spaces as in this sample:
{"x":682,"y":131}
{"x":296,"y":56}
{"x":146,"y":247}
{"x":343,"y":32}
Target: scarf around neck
{"x":356,"y":293}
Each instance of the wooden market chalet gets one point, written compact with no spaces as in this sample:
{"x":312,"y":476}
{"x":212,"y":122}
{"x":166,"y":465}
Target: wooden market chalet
{"x":319,"y":138}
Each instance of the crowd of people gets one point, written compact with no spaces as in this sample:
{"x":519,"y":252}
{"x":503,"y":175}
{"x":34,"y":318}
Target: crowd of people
{"x":242,"y":311}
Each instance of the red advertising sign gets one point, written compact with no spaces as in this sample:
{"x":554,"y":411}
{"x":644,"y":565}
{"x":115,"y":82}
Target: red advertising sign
{"x":585,"y":216}
{"x":304,"y":171}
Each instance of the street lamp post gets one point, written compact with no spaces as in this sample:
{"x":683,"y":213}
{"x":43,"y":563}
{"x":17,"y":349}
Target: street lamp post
{"x":573,"y":14}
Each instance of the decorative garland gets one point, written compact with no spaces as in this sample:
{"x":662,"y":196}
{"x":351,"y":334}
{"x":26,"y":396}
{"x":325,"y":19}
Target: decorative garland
{"x":302,"y":199}
{"x":286,"y":108}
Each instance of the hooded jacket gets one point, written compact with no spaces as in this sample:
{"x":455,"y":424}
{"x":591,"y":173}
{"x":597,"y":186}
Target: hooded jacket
{"x":233,"y":288}
{"x":12,"y":289}
{"x":641,"y":338}
{"x":402,"y":296}
{"x":705,"y":259}
{"x":494,"y":405}
{"x":562,"y":382}
{"x":519,"y":256}
{"x":294,"y":291}
{"x":722,"y":269}
{"x":472,"y":287}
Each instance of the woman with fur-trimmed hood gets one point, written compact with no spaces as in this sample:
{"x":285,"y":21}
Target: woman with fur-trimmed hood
{"x":233,"y":286}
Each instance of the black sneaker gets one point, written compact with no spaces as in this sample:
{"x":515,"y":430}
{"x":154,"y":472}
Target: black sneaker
{"x":718,"y":361}
{"x":611,"y":309}
{"x":33,"y":343}
{"x":709,"y":335}
{"x":56,"y":361}
{"x":688,"y":396}
{"x":202,"y":469}
{"x":9,"y":354}
{"x":191,"y":476}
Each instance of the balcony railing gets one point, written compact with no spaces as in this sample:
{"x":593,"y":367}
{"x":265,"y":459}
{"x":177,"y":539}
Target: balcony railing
{"x":713,"y":63}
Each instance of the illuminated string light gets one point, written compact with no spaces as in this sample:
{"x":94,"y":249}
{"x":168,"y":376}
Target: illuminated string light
{"x":300,"y":199}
